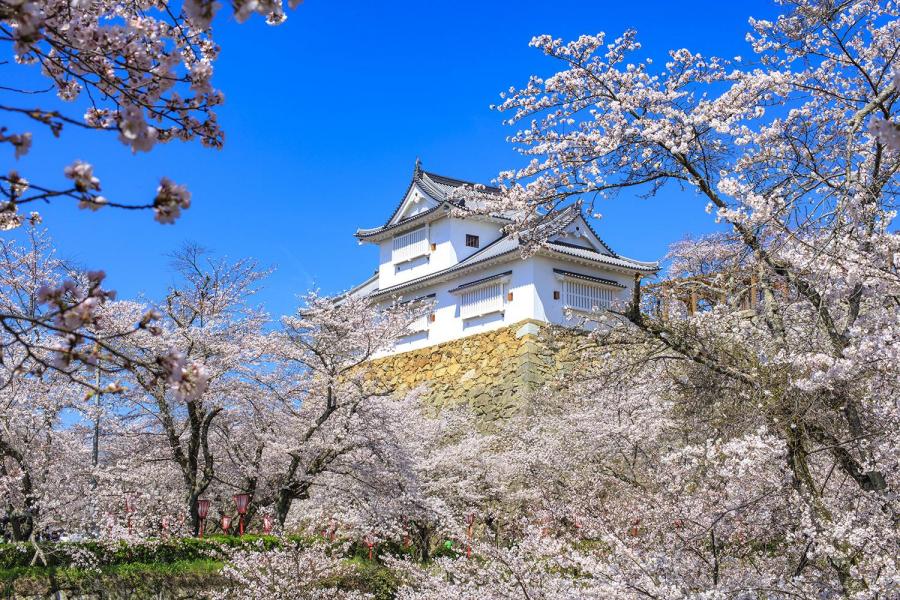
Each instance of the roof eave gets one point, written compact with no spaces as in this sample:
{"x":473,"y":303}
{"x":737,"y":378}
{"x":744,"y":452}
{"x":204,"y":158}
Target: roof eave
{"x":443,"y":276}
{"x":379,"y":234}
{"x":632,"y":268}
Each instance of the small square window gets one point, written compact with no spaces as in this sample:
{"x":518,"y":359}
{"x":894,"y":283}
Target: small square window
{"x":472,"y":240}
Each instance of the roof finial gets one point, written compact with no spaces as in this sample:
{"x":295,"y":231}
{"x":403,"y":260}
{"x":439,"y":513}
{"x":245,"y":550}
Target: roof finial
{"x":418,"y":168}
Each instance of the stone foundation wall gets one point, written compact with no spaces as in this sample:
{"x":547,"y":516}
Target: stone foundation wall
{"x":493,"y":372}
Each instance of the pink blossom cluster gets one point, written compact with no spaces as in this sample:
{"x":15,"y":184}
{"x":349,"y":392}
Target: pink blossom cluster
{"x":170,"y":200}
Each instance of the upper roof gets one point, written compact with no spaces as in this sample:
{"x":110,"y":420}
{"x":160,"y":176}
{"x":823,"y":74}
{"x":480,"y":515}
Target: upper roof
{"x":437,"y":188}
{"x":508,"y":247}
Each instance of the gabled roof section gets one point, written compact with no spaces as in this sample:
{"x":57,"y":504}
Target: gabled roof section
{"x":416,"y":202}
{"x":427,"y":187}
{"x":570,"y":221}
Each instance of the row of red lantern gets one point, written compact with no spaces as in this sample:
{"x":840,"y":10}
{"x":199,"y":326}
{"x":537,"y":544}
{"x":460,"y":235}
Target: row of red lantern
{"x":242,"y":503}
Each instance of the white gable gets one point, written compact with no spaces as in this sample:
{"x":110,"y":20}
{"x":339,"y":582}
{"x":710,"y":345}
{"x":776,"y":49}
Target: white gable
{"x":578,"y":233}
{"x":416,"y":201}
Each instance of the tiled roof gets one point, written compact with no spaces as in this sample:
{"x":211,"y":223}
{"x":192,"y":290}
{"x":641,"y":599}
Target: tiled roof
{"x":549,"y":227}
{"x":478,"y":282}
{"x":574,"y":275}
{"x":439,"y":188}
{"x":366,"y":288}
{"x":597,"y":235}
{"x":442,"y":186}
{"x":360,"y":233}
{"x":510,"y":244}
{"x":593,"y":255}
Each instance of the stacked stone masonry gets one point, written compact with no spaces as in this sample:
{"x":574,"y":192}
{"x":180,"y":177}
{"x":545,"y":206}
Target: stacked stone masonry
{"x":493,"y":372}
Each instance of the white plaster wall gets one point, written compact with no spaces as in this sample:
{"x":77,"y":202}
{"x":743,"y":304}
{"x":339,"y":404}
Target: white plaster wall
{"x":439,"y":258}
{"x":487,"y":232}
{"x":447,"y":324}
{"x":532,"y":283}
{"x":449,"y":237}
{"x":552,"y":311}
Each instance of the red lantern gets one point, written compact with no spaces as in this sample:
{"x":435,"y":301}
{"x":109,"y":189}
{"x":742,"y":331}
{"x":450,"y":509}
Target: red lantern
{"x":202,"y":512}
{"x":635,"y":530}
{"x":226,"y":523}
{"x":241,"y":501}
{"x":268,"y":523}
{"x":470,"y":521}
{"x":129,"y":509}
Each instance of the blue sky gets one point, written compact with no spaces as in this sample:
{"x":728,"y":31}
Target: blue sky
{"x":324,"y":118}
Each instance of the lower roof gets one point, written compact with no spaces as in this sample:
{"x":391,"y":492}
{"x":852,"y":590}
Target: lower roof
{"x":508,"y":248}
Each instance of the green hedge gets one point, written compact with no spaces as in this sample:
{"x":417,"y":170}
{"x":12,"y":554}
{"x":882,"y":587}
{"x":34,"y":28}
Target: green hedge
{"x":103,"y":554}
{"x":194,"y":579}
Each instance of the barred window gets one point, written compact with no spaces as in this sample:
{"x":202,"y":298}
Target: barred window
{"x":580,"y":295}
{"x":481,"y":301}
{"x":419,"y":325}
{"x":472,"y":241}
{"x":410,"y":245}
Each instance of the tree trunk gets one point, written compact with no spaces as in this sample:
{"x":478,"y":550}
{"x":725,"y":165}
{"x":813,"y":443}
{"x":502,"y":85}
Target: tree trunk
{"x":424,"y":534}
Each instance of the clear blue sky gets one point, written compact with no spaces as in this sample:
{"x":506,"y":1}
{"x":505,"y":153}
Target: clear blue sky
{"x":325,"y":116}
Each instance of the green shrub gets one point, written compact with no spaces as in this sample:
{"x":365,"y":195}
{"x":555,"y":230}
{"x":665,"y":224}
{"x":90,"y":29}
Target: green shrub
{"x":366,"y":576}
{"x":97,"y":554}
{"x":449,"y":549}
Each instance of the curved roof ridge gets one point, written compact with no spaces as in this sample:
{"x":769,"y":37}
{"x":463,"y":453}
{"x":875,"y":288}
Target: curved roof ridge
{"x":455,"y":182}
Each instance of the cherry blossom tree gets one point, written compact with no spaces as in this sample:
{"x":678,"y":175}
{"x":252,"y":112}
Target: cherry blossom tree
{"x":142,"y":71}
{"x":409,"y":486}
{"x":187,"y":367}
{"x":37,"y":451}
{"x":774,"y":346}
{"x":295,"y":572}
{"x":627,"y":484}
{"x":808,"y":193}
{"x":139,"y":70}
{"x":39,"y":455}
{"x":323,"y":412}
